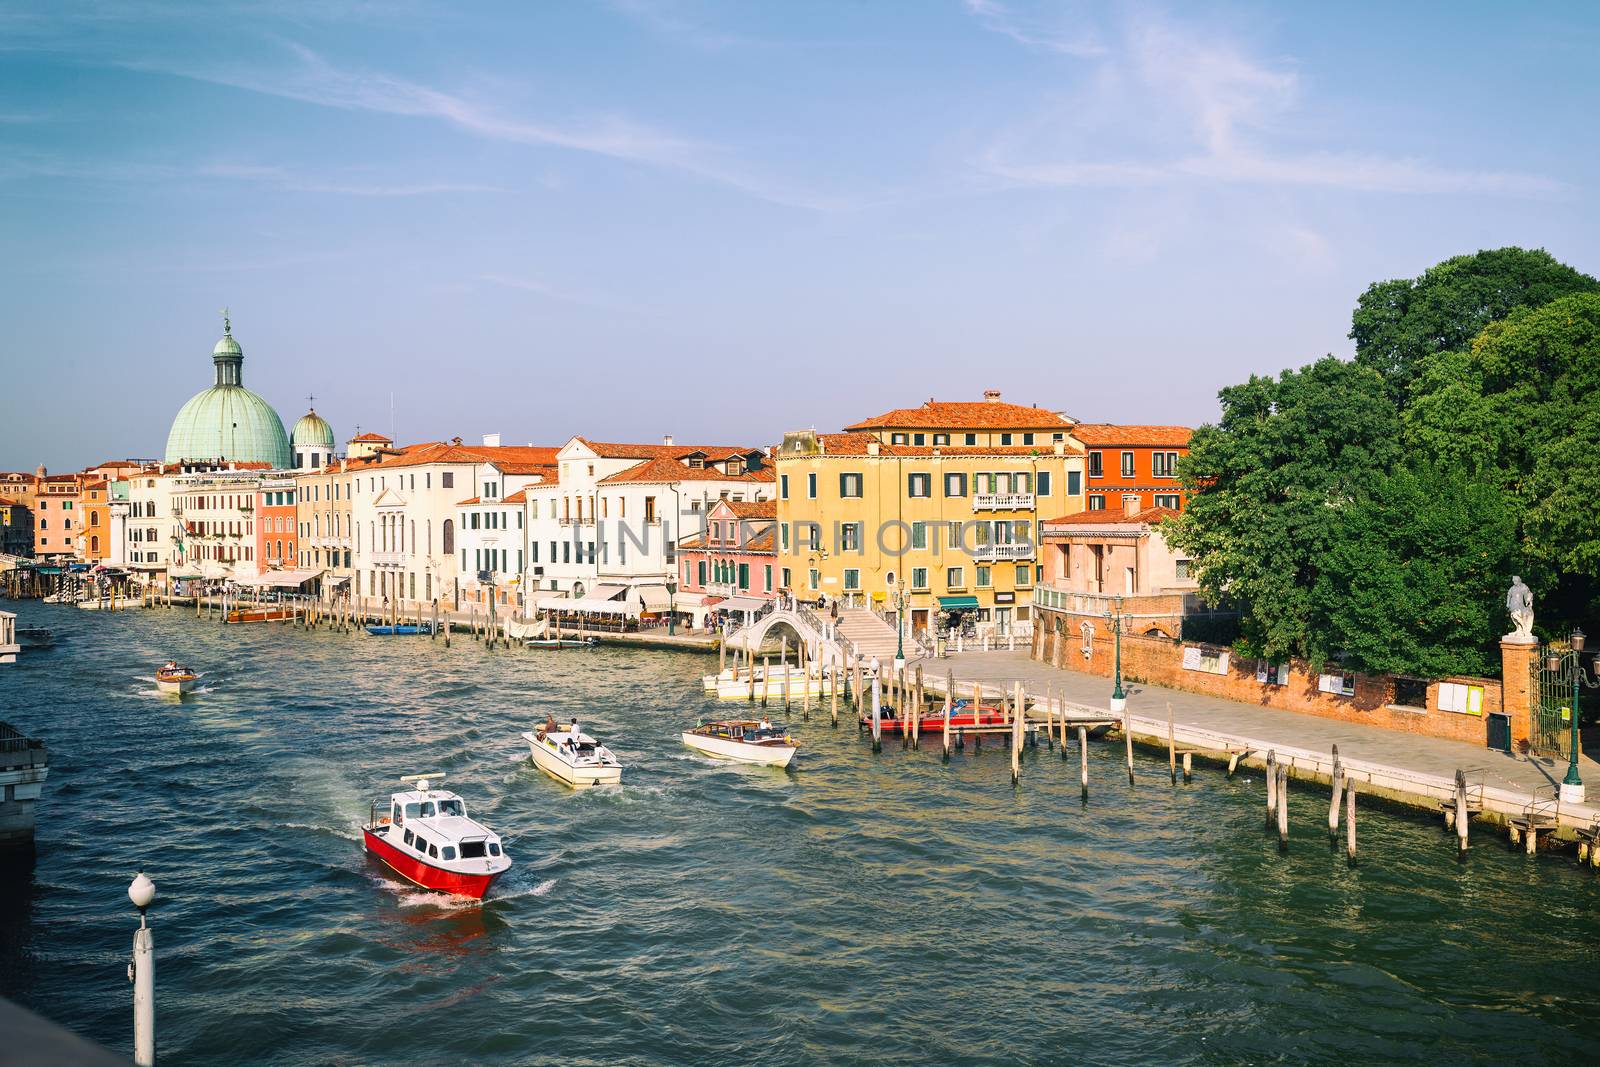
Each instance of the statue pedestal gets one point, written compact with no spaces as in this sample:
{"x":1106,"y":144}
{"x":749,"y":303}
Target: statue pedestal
{"x":1519,"y":690}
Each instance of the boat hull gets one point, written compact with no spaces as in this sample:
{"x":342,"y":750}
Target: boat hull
{"x":566,"y":774}
{"x":740,"y":751}
{"x":177,"y":688}
{"x":403,"y":630}
{"x":426,"y":875}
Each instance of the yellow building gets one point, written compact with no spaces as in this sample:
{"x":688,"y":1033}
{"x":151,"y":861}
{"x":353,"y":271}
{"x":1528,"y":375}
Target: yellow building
{"x":940,"y":504}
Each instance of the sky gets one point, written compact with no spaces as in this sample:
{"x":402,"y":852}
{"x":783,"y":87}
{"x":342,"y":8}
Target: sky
{"x":722,"y":221}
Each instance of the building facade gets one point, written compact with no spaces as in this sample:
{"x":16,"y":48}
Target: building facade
{"x":1140,"y":462}
{"x":94,"y":533}
{"x":732,"y":565}
{"x":216,"y":524}
{"x":58,"y":517}
{"x":937,"y":505}
{"x":1099,"y":563}
{"x":277,"y":524}
{"x":16,"y":529}
{"x":322,"y":516}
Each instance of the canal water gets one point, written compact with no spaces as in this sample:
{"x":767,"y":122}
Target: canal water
{"x":855,"y":909}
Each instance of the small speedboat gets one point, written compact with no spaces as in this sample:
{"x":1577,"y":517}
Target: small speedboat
{"x":962,"y":716}
{"x":404,"y":629}
{"x":172,"y":678}
{"x":35,"y":637}
{"x":744,"y":740}
{"x":557,"y":643}
{"x":573,"y":757}
{"x":426,"y":838}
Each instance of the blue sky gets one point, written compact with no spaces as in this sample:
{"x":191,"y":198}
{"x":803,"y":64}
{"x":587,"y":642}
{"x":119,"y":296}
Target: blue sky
{"x":723,"y":221}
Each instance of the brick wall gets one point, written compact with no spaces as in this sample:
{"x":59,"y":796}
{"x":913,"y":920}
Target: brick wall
{"x":1159,"y":661}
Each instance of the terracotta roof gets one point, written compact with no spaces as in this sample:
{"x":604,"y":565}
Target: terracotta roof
{"x":666,"y":469}
{"x":374,"y":437}
{"x":101,"y":484}
{"x":753,"y":509}
{"x":761,"y":542}
{"x":615,"y":450}
{"x":975,"y":415}
{"x":855,"y":444}
{"x":473,"y":500}
{"x":692,"y":541}
{"x":519,"y":497}
{"x":1147,"y":517}
{"x":1107,"y":434}
{"x":527,"y":459}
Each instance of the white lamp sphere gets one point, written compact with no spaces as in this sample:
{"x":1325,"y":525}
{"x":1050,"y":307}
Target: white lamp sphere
{"x":142,"y":891}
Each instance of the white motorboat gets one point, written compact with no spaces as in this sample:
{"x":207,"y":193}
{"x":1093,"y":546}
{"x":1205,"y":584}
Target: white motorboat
{"x":573,"y":757}
{"x":744,"y":740}
{"x":171,"y":678}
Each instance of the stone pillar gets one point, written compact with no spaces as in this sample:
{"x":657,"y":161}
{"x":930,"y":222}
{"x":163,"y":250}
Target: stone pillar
{"x":1517,"y":687}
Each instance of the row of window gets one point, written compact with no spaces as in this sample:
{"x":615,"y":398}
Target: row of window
{"x":955,"y":578}
{"x":968,"y":439}
{"x":727,"y":572}
{"x":1097,"y":501}
{"x":1162,"y":464}
{"x":915,"y":535}
{"x":920,"y":484}
{"x":276,"y":499}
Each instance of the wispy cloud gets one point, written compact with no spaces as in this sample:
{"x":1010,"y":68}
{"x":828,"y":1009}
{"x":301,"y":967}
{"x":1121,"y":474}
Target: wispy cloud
{"x":277,"y":177}
{"x":1169,"y":104}
{"x":539,"y":287}
{"x":313,"y":80}
{"x":1061,"y":31}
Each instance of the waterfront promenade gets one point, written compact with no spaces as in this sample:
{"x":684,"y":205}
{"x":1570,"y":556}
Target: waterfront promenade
{"x":1199,"y":721}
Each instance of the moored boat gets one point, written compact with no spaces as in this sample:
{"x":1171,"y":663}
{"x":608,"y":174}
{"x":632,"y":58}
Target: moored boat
{"x":558,"y":643}
{"x":571,"y":756}
{"x":404,"y":629}
{"x":426,"y":838}
{"x":962,"y":716}
{"x":744,"y":740}
{"x":173,"y":678}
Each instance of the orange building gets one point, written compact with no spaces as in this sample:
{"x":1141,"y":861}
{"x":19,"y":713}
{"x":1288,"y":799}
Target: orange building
{"x":58,"y":519}
{"x":277,"y":543}
{"x":94,"y":511}
{"x":1133,"y":461}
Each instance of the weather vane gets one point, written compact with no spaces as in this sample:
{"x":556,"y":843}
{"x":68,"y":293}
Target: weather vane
{"x":227,"y":327}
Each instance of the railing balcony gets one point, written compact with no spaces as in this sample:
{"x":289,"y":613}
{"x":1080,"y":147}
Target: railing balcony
{"x":1000,"y":553}
{"x":1002,"y":502}
{"x":386,"y":559}
{"x":722,"y":589}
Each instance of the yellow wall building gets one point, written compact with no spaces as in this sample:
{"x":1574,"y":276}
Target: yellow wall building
{"x":940,"y":503}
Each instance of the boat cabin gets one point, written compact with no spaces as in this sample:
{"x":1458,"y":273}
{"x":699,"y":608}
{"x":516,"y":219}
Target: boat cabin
{"x":434,"y":824}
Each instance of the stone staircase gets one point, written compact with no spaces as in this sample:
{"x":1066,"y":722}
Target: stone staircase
{"x":872,"y":637}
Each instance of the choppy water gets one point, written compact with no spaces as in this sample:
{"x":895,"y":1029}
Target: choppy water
{"x":856,"y":909}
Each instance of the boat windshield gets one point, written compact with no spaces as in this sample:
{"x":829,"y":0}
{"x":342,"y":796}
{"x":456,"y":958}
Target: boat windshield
{"x":451,"y":807}
{"x":427,"y":810}
{"x":472,"y":850}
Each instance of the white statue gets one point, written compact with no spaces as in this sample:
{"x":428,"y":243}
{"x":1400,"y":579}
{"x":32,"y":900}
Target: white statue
{"x":1519,"y":603}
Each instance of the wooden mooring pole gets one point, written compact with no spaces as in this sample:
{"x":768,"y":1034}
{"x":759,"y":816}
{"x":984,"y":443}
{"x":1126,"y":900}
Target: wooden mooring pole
{"x":1272,"y":787}
{"x":1172,"y":748}
{"x":1350,"y":822}
{"x":1127,"y":740}
{"x":949,"y":688}
{"x":1338,"y":798}
{"x":1462,"y":815}
{"x":1083,"y":761}
{"x":1283,"y":808}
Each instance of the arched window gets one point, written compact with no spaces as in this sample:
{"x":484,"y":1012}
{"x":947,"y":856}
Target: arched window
{"x":94,"y":544}
{"x":94,"y":518}
{"x":449,"y":537}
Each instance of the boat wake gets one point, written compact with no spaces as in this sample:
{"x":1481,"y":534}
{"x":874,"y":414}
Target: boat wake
{"x":412,"y":898}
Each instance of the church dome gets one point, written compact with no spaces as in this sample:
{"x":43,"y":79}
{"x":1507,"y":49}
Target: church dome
{"x":312,"y":430}
{"x":227,"y":421}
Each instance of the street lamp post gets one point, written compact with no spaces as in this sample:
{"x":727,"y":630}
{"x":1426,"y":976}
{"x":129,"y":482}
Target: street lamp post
{"x":1572,"y":784}
{"x":672,"y":613}
{"x":1119,"y":699}
{"x":900,"y":628}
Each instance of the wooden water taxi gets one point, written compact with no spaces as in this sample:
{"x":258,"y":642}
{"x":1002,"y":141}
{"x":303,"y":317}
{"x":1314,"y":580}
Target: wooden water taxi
{"x":172,"y":678}
{"x":426,"y":838}
{"x":962,"y":716}
{"x":744,"y":740}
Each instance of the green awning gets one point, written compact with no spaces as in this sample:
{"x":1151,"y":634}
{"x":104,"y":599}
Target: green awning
{"x":950,"y":603}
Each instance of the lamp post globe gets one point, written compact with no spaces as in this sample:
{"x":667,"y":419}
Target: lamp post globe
{"x":142,"y":891}
{"x":1572,"y":785}
{"x":1119,"y":699}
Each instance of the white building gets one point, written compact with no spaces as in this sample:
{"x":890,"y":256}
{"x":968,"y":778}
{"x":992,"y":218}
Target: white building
{"x":606,"y":528}
{"x":214,"y":523}
{"x":404,"y":510}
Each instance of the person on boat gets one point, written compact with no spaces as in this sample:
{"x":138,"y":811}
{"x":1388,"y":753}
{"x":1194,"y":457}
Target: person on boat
{"x":765,"y":724}
{"x":574,"y":731}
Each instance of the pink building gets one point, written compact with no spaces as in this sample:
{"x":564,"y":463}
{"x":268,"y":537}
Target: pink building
{"x":732,"y":564}
{"x":1095,"y":561}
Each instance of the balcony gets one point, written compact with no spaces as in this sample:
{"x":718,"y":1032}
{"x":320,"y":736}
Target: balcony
{"x":1001,"y":553}
{"x":386,"y":559}
{"x":1002,"y":502}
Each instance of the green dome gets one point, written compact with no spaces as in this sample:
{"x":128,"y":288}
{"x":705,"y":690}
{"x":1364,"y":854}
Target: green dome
{"x":228,"y":421}
{"x":312,"y":431}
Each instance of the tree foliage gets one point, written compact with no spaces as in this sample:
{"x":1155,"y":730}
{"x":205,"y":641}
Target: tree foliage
{"x":1272,"y":476}
{"x":1398,"y":322}
{"x":1414,"y":577}
{"x":1374,"y":511}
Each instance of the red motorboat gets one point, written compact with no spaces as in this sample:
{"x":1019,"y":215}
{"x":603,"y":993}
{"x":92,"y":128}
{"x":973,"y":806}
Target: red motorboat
{"x":427,"y":839}
{"x":961,"y":715}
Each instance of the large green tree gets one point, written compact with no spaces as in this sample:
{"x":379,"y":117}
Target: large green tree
{"x":1269,"y":481}
{"x":1398,"y":322}
{"x":1414,"y":575}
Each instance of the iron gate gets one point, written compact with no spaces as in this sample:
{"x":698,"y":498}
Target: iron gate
{"x":1551,"y":727}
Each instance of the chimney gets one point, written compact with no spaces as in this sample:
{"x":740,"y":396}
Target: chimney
{"x":491,"y":440}
{"x":666,"y":439}
{"x":872,"y":447}
{"x":1130,"y":505}
{"x":991,"y":395}
{"x":41,"y":472}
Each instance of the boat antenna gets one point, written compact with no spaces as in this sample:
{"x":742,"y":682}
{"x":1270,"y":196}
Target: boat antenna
{"x":422,"y":780}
